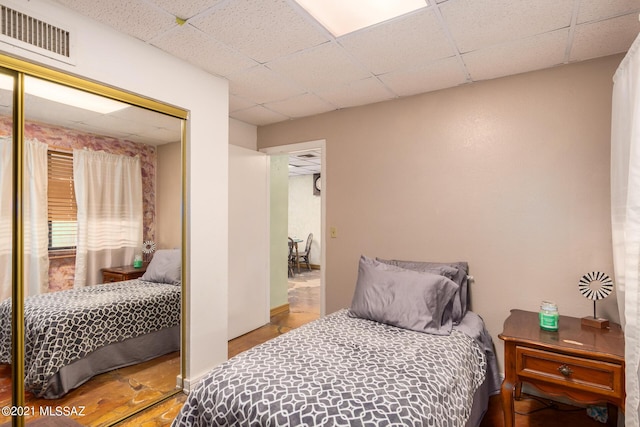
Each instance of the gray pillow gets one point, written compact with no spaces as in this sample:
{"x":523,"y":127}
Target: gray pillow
{"x":419,"y":301}
{"x":460,"y":304}
{"x":165,"y":267}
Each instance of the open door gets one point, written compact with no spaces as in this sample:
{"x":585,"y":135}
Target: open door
{"x":248,"y":241}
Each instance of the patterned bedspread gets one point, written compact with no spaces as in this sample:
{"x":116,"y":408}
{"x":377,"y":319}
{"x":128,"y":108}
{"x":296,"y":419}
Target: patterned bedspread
{"x":62,"y":327}
{"x":342,"y":371}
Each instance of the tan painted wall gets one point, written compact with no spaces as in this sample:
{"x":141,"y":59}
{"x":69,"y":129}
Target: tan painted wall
{"x":169,"y":196}
{"x":511,"y":175}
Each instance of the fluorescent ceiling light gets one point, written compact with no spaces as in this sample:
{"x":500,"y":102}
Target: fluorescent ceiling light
{"x":65,"y":95}
{"x":70,"y":96}
{"x":345,"y":16}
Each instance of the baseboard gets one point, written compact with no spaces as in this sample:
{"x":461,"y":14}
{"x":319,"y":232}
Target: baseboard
{"x":315,"y":266}
{"x":284,"y":308}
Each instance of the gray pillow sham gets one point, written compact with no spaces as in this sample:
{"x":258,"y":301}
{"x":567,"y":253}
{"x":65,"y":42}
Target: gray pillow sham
{"x":419,"y":301}
{"x":165,"y":267}
{"x":460,"y":304}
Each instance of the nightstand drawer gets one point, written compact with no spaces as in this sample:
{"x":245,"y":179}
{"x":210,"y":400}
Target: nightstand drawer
{"x":125,"y":272}
{"x":570,"y":371}
{"x":111,"y":277}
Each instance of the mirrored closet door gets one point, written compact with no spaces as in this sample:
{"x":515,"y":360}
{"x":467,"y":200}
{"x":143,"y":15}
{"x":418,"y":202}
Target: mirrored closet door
{"x":101,"y":211}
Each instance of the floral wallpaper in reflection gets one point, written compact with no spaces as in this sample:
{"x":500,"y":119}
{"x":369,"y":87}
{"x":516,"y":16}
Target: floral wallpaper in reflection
{"x":61,"y":270}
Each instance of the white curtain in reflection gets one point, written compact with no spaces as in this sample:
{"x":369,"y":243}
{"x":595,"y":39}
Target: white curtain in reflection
{"x":36,"y":231}
{"x":36,"y":257}
{"x":108,"y":191}
{"x":5,"y":217}
{"x":625,"y":216}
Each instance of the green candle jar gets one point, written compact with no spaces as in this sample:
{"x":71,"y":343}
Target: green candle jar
{"x":137,"y":261}
{"x":548,"y":316}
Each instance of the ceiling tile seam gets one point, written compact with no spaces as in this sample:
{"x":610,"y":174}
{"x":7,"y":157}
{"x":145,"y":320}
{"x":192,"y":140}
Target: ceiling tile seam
{"x":233,"y":49}
{"x":416,"y":67}
{"x":609,"y":17}
{"x":510,"y":41}
{"x":208,"y":11}
{"x":452,"y":42}
{"x":572,"y":31}
{"x":285,"y":81}
{"x":217,"y":41}
{"x":387,"y":22}
{"x":161,"y":10}
{"x":357,"y":62}
{"x":271,"y":108}
{"x":313,"y":90}
{"x":290,"y":54}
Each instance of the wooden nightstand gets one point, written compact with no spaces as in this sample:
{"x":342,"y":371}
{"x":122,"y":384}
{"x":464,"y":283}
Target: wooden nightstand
{"x":126,"y":272}
{"x":582,"y":363}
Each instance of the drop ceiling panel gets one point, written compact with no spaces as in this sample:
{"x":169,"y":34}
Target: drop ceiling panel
{"x":186,"y":9}
{"x":438,"y":75}
{"x":136,"y":18}
{"x":262,"y":30}
{"x":203,"y":51}
{"x":258,"y":115}
{"x":322,"y":66}
{"x":404,"y":43}
{"x":604,"y":37}
{"x":238,"y":103}
{"x":273,"y":52}
{"x":301,"y":106}
{"x":477,"y":24}
{"x":543,"y":51}
{"x":305,"y":162}
{"x":592,"y":10}
{"x":360,"y":92}
{"x":262,"y":85}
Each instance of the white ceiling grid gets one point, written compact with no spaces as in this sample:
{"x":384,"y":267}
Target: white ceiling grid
{"x":282,"y":64}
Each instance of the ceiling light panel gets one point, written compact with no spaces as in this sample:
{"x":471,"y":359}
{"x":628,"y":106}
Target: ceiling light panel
{"x":341,"y":17}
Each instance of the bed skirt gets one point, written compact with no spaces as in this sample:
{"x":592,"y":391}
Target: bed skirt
{"x":114,"y":356}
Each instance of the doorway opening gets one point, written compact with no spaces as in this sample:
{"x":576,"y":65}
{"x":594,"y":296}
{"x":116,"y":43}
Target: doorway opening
{"x":302,"y":284}
{"x":304,"y":229}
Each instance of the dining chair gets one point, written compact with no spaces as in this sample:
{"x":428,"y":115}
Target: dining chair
{"x":292,"y":258}
{"x":304,"y":256}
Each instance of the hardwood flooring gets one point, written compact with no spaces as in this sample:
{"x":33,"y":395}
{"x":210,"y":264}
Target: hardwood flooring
{"x":107,"y":397}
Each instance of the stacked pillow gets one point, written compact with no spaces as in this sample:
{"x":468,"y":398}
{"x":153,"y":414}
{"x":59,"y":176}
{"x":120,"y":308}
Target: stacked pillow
{"x":165,"y":267}
{"x":420,"y":299}
{"x":456,"y":271}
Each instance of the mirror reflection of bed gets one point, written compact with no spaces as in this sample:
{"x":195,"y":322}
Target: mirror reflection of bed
{"x":152,"y":140}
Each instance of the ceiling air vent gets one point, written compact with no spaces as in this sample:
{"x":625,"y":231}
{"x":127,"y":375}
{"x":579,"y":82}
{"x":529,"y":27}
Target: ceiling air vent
{"x":33,"y":34}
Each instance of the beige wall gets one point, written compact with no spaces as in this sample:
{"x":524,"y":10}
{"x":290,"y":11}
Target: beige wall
{"x":511,"y":175}
{"x":169,"y":197}
{"x":242,"y":134}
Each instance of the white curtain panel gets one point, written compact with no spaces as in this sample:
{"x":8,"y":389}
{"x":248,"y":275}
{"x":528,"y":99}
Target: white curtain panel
{"x":625,"y":216}
{"x":108,"y":191}
{"x":5,"y":217}
{"x":36,"y":231}
{"x":36,"y":258}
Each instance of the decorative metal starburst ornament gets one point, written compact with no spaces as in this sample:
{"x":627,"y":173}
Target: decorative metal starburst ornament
{"x":595,"y":286}
{"x":149,"y":247}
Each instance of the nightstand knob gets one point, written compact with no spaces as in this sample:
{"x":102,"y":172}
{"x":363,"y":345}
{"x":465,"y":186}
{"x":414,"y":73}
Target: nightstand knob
{"x":565,"y":370}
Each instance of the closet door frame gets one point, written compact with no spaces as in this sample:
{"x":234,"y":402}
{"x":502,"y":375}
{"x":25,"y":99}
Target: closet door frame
{"x":18,"y":69}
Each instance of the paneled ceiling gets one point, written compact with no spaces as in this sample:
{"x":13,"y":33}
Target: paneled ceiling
{"x":282,"y":64}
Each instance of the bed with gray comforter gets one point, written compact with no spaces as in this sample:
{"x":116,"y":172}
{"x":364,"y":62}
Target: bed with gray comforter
{"x":75,"y":334}
{"x":342,"y":370}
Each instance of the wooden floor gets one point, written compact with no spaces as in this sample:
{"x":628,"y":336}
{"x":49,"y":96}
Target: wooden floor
{"x":106,"y":397}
